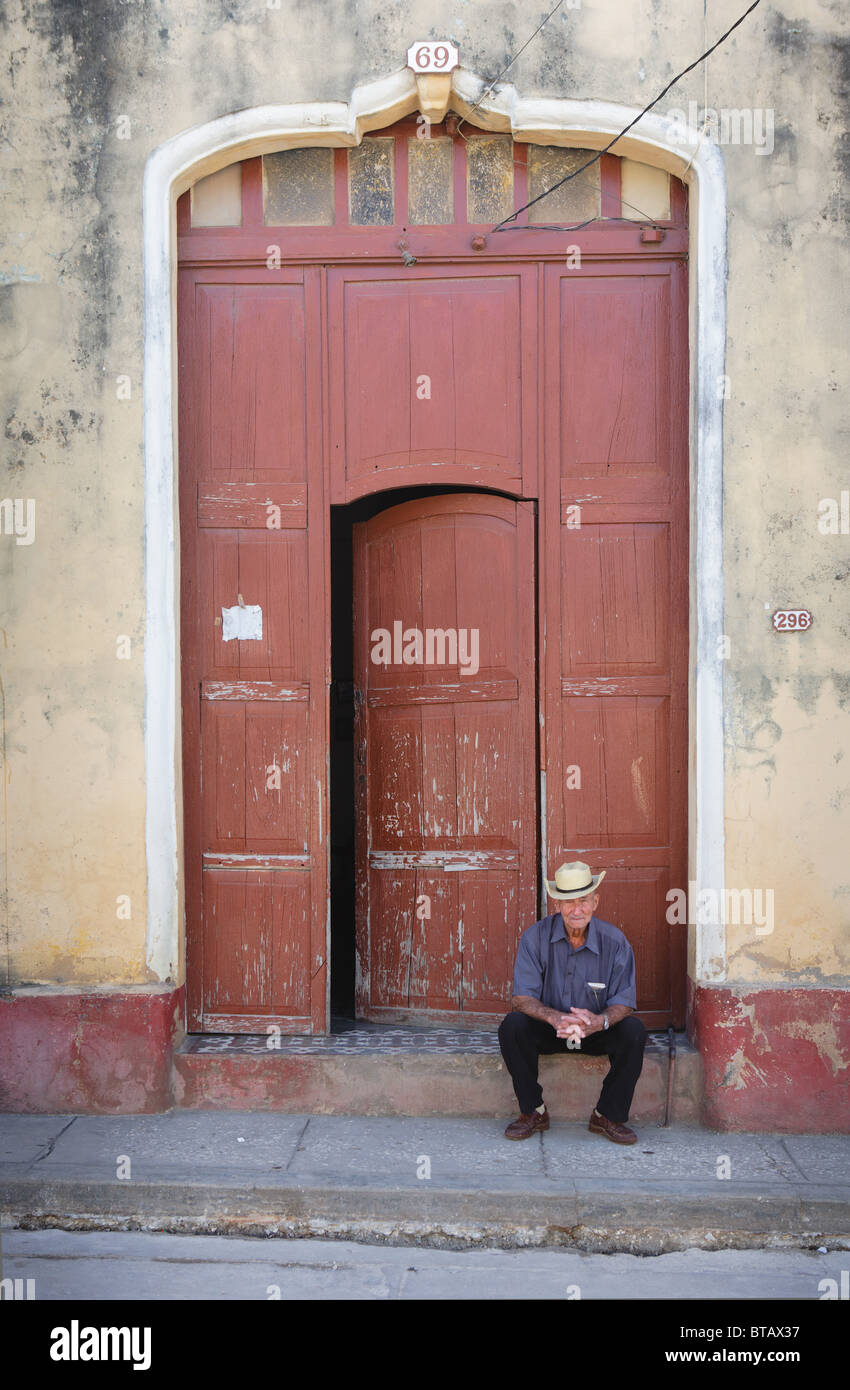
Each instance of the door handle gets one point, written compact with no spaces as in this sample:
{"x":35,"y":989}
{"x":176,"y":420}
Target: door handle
{"x":361,"y":752}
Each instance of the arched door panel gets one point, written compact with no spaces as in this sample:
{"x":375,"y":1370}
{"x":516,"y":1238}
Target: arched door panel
{"x":445,"y":744}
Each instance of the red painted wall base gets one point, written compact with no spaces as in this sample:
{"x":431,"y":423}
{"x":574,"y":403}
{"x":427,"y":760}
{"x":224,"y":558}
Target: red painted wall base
{"x":107,"y":1053}
{"x":773,"y":1059}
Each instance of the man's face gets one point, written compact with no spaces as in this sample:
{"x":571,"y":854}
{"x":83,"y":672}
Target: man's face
{"x":577,"y":912}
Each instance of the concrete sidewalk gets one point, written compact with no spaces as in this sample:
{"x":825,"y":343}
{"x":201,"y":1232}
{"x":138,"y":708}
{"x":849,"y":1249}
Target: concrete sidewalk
{"x":440,"y":1182}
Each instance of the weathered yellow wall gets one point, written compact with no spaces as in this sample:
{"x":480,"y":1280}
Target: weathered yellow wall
{"x":787,"y":786}
{"x":71,"y":296}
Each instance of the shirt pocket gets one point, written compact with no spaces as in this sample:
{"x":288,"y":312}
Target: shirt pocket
{"x":596,"y":995}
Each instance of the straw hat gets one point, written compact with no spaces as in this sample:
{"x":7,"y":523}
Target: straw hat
{"x":573,"y":881}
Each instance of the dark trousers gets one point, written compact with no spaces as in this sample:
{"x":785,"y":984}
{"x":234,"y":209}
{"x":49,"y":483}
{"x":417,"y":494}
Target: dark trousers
{"x":522,"y":1039}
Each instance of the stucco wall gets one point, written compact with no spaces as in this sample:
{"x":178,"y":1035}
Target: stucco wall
{"x":78,"y":81}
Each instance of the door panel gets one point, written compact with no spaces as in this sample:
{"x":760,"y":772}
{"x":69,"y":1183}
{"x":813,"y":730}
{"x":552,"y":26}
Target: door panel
{"x":254,"y":707}
{"x":433,"y":371}
{"x":250,"y":397}
{"x":615,"y":381}
{"x":615,"y":587}
{"x":446,"y":745}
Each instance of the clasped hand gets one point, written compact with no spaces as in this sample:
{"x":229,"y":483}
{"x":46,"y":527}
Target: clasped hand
{"x":578,"y":1023}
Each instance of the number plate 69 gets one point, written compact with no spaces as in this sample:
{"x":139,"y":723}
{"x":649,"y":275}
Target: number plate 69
{"x":432,"y":56}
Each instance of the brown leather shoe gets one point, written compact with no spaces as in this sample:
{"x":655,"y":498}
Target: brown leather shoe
{"x":526,"y":1125}
{"x":617,"y":1133}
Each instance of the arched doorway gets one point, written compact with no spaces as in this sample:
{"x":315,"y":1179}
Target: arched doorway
{"x":444,"y":754}
{"x":367,"y":349}
{"x":404,"y":986}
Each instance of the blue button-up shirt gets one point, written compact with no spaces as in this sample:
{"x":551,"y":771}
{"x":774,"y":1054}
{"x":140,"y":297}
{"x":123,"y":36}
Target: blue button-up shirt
{"x":549,"y":969}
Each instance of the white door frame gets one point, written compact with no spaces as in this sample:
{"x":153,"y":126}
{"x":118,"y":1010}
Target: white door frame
{"x":178,"y":163}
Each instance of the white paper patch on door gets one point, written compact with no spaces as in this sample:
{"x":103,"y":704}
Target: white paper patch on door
{"x":245,"y":623}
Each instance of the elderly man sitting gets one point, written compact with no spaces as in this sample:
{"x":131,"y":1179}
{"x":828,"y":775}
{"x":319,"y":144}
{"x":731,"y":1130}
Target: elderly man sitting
{"x":574,"y":990}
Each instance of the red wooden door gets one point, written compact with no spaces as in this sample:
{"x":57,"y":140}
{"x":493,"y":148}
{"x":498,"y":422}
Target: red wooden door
{"x":616,"y":595}
{"x":344,"y":372}
{"x":254,"y":705}
{"x":445,"y":742}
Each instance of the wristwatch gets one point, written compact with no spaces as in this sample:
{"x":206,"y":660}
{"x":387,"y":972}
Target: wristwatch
{"x":605,"y":1022}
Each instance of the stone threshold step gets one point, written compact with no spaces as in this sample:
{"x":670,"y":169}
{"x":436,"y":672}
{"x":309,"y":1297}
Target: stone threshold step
{"x":418,"y":1078}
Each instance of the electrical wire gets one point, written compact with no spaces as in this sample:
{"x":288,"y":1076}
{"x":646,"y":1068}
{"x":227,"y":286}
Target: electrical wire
{"x":488,"y":89}
{"x":504,"y":224}
{"x":599,"y":217}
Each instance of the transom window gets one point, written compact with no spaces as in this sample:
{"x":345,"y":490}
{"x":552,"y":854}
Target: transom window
{"x":415,"y":175}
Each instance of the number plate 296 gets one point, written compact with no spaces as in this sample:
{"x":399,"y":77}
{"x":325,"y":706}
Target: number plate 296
{"x":792,"y":619}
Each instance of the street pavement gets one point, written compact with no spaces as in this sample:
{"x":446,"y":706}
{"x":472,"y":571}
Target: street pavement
{"x":449,"y":1183}
{"x":97,"y":1265}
